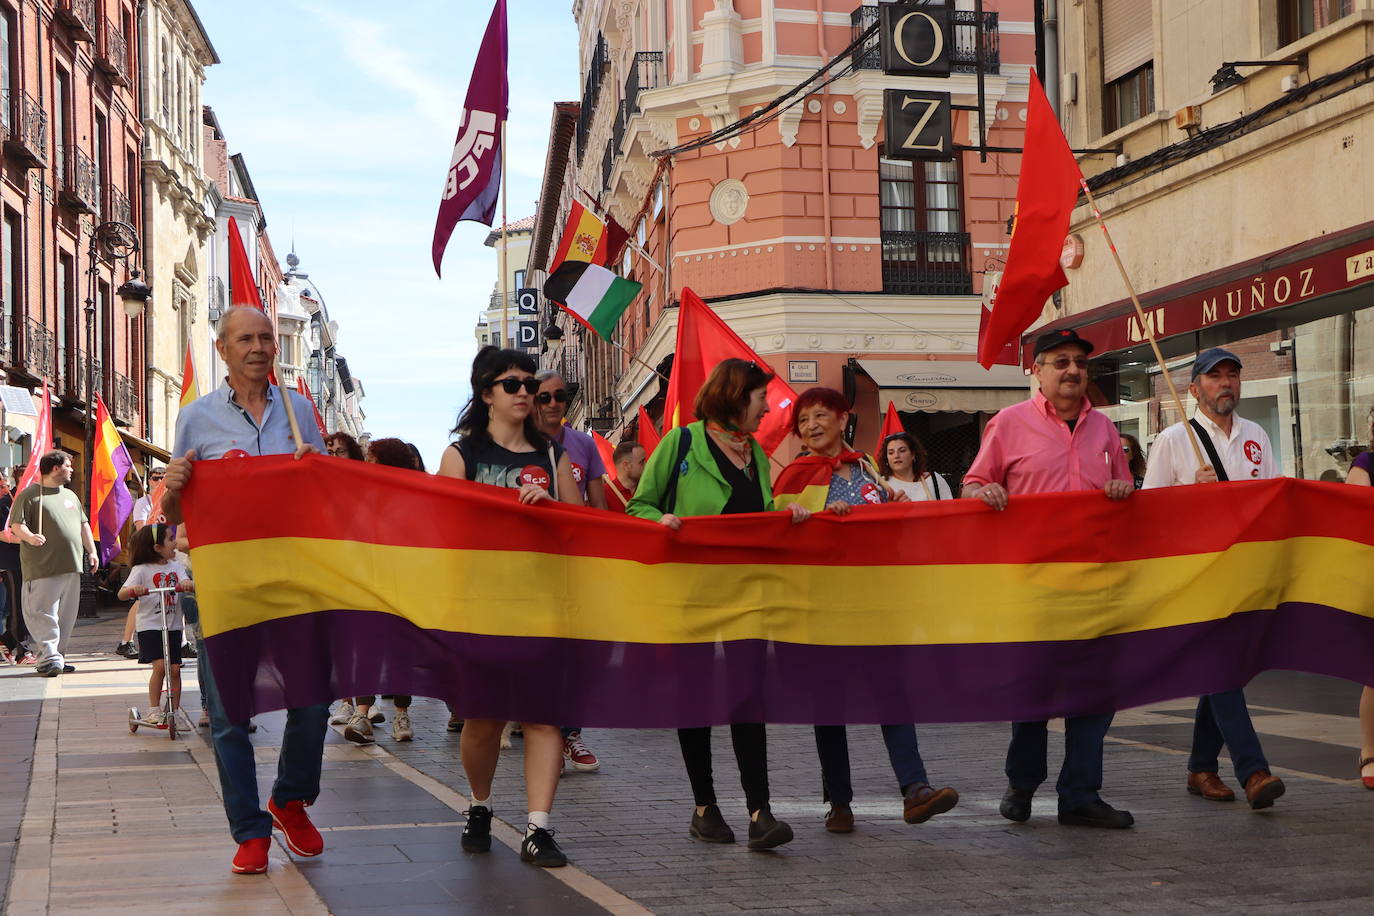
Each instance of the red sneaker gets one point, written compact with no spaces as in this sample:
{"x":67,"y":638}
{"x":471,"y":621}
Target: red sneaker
{"x":301,"y":836}
{"x":576,"y":753}
{"x":251,"y":859}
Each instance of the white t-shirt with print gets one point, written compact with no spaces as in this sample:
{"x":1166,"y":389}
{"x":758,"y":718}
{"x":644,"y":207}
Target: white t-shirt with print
{"x":157,"y":575}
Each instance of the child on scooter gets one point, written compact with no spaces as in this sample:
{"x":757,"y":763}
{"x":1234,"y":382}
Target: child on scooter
{"x":155,"y":566}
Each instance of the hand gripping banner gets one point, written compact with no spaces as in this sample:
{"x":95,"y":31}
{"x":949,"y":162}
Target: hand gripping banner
{"x":364,"y":579}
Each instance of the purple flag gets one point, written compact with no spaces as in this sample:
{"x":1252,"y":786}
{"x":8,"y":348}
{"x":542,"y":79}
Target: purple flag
{"x":474,"y":174}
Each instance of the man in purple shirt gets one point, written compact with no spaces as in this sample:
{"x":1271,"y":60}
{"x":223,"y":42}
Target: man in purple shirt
{"x":1054,"y":443}
{"x":550,"y":407}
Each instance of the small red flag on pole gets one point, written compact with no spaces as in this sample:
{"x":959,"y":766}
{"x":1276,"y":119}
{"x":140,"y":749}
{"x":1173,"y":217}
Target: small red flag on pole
{"x":1045,"y":196}
{"x":647,"y":435}
{"x":892,"y":423}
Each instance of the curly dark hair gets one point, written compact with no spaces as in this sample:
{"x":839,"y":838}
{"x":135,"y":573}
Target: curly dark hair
{"x":488,"y":365}
{"x":355,"y":451}
{"x":919,"y":461}
{"x":393,"y":453}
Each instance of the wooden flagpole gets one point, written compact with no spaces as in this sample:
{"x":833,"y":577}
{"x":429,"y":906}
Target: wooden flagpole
{"x":505,"y":281}
{"x":1145,"y":325}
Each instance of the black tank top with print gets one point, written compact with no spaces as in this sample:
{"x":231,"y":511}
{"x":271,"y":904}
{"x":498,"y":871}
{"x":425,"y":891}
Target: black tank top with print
{"x":487,"y":462}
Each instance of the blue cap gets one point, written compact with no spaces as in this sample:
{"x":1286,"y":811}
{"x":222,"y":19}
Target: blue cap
{"x":1209,"y":358}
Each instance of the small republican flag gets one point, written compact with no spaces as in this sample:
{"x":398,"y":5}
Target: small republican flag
{"x":189,"y":389}
{"x":111,"y":501}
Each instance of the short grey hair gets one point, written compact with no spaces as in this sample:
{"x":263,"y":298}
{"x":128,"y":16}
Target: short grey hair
{"x":543,"y":375}
{"x":222,"y":329}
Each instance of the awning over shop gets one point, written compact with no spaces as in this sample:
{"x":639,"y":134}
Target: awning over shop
{"x":145,"y":446}
{"x":944,"y":386}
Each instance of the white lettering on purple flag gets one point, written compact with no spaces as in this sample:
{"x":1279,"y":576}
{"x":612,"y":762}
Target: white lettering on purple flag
{"x":475,"y":140}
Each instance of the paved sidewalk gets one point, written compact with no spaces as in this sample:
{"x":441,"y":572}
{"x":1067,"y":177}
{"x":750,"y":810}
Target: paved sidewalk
{"x":114,"y":822}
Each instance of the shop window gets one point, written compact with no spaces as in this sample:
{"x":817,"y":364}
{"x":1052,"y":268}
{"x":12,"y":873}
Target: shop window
{"x":1297,"y":18}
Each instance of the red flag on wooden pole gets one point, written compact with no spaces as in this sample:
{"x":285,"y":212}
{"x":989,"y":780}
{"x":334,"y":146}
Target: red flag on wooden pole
{"x":1045,"y":196}
{"x":703,"y":340}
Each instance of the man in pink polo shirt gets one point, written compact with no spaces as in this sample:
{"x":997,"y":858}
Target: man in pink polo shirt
{"x":1055,"y":443}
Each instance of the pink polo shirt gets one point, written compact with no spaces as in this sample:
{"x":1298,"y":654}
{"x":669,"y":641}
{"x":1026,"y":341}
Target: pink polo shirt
{"x":1028,"y":449}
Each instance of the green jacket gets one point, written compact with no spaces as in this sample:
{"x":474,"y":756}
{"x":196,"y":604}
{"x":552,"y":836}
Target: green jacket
{"x":701,"y":490}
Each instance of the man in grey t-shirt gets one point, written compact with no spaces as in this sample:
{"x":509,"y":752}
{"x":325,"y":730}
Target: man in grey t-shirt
{"x":53,"y":532}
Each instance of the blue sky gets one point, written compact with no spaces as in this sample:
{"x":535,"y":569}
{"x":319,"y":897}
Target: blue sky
{"x":346,"y":112}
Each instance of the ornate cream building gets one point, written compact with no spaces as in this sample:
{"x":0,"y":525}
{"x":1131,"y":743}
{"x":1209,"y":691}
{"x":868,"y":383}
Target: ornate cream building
{"x":178,"y":212}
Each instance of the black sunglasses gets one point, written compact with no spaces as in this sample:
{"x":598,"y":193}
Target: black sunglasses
{"x":560,"y":395}
{"x":510,"y":384}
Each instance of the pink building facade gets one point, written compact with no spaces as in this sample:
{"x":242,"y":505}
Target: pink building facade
{"x":839,"y":266}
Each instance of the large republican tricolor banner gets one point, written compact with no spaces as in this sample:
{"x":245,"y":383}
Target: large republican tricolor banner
{"x":930,"y":612}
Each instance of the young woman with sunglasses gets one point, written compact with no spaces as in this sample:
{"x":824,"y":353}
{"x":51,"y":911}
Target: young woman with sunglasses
{"x":500,"y":445}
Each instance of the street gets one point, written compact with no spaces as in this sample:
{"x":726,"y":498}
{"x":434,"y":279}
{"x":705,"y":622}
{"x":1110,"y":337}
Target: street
{"x":114,"y":822}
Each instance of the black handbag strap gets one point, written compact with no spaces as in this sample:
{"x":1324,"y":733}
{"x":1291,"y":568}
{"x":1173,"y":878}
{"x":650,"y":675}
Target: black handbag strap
{"x":684,"y":442}
{"x":1211,"y":450}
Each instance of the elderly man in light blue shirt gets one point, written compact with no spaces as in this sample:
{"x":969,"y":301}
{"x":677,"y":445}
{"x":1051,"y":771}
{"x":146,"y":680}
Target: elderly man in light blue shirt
{"x":245,"y":417}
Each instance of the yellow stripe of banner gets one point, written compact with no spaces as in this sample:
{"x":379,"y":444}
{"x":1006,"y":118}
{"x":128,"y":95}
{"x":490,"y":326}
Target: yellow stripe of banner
{"x":520,"y":593}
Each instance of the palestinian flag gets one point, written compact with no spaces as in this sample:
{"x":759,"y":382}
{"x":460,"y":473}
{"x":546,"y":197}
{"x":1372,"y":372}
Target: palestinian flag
{"x":591,"y":294}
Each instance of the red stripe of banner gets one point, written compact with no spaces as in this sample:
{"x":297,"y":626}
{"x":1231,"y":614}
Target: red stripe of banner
{"x":320,"y":497}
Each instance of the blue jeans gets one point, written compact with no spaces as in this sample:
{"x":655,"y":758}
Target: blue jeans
{"x":1080,"y":778}
{"x":1224,"y":718}
{"x":190,"y":610}
{"x":832,"y":746}
{"x":298,"y":764}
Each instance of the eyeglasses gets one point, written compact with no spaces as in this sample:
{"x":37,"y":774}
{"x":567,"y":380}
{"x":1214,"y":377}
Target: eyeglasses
{"x":510,"y":384}
{"x":1062,"y":362}
{"x":544,"y":397}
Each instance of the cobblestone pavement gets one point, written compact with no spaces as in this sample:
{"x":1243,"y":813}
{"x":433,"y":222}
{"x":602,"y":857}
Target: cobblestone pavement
{"x":114,"y":822}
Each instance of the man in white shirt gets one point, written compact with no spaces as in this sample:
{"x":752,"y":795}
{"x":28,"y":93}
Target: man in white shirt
{"x":143,"y":507}
{"x":1235,"y":449}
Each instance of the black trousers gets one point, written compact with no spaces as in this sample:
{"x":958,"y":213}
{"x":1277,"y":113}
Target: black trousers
{"x":751,"y":755}
{"x":15,"y":630}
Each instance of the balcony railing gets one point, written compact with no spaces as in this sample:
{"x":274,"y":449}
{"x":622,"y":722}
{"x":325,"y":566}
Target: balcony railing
{"x":76,"y":376}
{"x":219,"y":298}
{"x":78,"y":16}
{"x":38,"y":349}
{"x":114,"y":58}
{"x":608,"y":164}
{"x":645,"y":73}
{"x":79,"y":188}
{"x":120,"y":209}
{"x":927,"y":263}
{"x":591,"y":93}
{"x":964,"y":54}
{"x":124,"y":398}
{"x":27,"y":137}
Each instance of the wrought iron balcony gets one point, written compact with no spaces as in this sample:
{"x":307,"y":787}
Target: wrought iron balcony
{"x":75,"y":388}
{"x":608,"y":164}
{"x":591,"y":92}
{"x":646,"y":72}
{"x":120,"y":209}
{"x":927,"y":263}
{"x":78,"y":16}
{"x":79,"y":188}
{"x":114,"y":57}
{"x":124,"y":398}
{"x":964,"y":54}
{"x":38,"y":350}
{"x":27,"y":137}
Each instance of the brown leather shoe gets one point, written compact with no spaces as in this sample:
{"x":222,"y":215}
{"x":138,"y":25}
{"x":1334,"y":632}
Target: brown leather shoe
{"x":922,"y":803}
{"x":1262,"y":788}
{"x":1209,"y":785}
{"x":839,"y":819}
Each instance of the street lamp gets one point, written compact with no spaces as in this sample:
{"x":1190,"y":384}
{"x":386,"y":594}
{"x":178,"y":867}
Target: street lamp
{"x":111,"y":242}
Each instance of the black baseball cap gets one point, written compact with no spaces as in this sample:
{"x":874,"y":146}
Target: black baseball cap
{"x":1207,"y":360}
{"x":1051,"y":339}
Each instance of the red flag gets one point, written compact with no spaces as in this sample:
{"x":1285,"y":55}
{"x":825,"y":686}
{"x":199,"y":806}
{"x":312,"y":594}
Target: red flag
{"x":1008,"y":355}
{"x":703,"y":340}
{"x":243,"y":287}
{"x":606,"y":451}
{"x":647,"y":435}
{"x":155,"y":513}
{"x":1045,"y":196}
{"x":474,"y":173}
{"x":42,"y":444}
{"x":892,"y":423}
{"x":304,"y":389}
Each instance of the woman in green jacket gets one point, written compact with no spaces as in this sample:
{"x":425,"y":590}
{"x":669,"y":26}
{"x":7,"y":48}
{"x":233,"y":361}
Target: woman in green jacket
{"x":714,"y":467}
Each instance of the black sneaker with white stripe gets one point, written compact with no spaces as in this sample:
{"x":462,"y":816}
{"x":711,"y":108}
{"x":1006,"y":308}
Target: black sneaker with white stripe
{"x":539,"y":847}
{"x":477,"y":833}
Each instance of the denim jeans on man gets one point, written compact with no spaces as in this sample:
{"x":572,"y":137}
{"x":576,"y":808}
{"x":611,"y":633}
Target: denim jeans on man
{"x":1224,"y":718}
{"x":298,"y":764}
{"x":1080,"y":778}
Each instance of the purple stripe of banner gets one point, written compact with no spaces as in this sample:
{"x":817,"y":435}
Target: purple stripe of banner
{"x":320,"y":657}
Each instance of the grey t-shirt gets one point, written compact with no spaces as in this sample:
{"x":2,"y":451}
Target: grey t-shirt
{"x":63,"y":520}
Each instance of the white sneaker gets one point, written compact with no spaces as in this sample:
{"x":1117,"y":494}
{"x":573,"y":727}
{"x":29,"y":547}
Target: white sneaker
{"x":154,"y":718}
{"x":343,"y":715}
{"x":400,"y":726}
{"x":359,"y":730}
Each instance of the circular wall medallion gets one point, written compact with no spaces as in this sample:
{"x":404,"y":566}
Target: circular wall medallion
{"x":841,"y":108}
{"x":813,"y":106}
{"x":694,"y":124}
{"x":729,"y":199}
